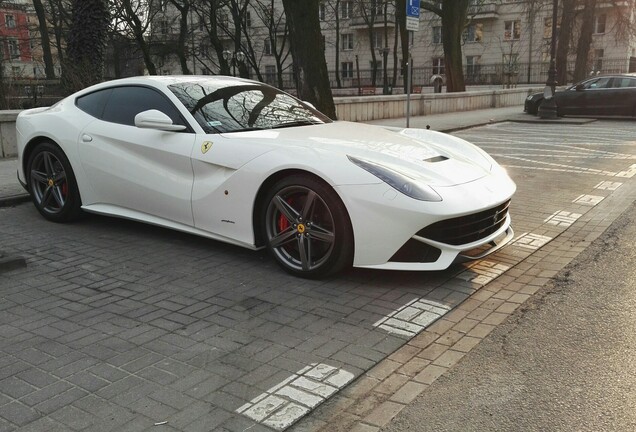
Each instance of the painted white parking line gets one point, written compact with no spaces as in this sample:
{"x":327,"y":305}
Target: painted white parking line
{"x":482,"y":272}
{"x":589,"y":200}
{"x":628,"y":173}
{"x":608,"y":185}
{"x":562,"y":218}
{"x":413,"y":317}
{"x":531,"y":241}
{"x":285,"y":403}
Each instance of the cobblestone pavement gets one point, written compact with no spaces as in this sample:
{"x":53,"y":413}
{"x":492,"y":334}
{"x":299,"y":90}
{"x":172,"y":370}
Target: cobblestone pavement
{"x":116,"y":325}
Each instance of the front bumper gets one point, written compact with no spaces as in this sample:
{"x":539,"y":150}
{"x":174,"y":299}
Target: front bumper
{"x":385,"y":223}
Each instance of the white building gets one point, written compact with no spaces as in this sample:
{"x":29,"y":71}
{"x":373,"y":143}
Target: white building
{"x":504,"y":42}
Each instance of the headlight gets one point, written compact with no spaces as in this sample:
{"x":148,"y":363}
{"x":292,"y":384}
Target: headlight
{"x":529,"y":98}
{"x":398,"y":181}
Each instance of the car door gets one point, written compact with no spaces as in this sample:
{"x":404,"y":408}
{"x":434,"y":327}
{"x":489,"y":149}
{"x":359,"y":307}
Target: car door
{"x":623,"y":97}
{"x":139,"y":170}
{"x":586,"y":98}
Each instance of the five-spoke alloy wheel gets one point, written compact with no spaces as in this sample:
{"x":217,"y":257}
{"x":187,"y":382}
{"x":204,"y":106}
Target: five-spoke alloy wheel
{"x":307,"y":227}
{"x":52,"y":184}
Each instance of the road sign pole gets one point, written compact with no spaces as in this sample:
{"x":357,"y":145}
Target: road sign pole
{"x":409,"y":69}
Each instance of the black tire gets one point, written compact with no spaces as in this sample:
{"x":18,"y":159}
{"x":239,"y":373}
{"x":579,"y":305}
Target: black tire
{"x":52,"y":184}
{"x":307,"y":227}
{"x":535,"y":111}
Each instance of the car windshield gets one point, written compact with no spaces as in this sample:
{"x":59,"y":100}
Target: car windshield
{"x":243,"y":106}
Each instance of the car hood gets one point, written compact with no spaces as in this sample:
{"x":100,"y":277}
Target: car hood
{"x":436,"y":158}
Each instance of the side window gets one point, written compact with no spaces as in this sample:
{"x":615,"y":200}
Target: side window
{"x":93,"y":103}
{"x":598,"y":83}
{"x":624,"y":82}
{"x":126,"y":102}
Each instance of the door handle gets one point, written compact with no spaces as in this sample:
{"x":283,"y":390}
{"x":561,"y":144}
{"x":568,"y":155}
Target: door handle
{"x":87,"y":138}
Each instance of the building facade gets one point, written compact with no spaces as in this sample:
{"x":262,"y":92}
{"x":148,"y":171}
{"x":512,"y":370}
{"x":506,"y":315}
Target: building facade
{"x":504,"y":43}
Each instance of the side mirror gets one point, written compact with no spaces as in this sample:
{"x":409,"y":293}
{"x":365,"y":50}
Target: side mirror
{"x":579,"y":87}
{"x":155,"y":119}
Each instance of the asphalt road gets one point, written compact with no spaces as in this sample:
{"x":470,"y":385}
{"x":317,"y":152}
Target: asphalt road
{"x":566,"y":361}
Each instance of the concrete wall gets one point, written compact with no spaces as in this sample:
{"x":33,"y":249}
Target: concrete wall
{"x":7,"y":133}
{"x":360,"y":108}
{"x":364,"y":108}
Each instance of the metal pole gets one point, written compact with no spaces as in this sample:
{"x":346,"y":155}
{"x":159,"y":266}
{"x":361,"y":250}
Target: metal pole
{"x":548,"y":109}
{"x":409,"y":66}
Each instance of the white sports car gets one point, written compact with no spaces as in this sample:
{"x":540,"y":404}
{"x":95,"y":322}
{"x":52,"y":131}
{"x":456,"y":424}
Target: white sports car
{"x":244,"y":163}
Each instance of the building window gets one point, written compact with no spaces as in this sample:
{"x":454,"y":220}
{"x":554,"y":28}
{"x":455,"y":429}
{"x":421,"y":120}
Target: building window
{"x":346,"y":9}
{"x":162,"y":27}
{"x":378,"y":8}
{"x":16,"y":71}
{"x":472,"y":66}
{"x":378,"y":39}
{"x":267,"y":47}
{"x":9,"y":21}
{"x":346,"y":69}
{"x":437,"y":35}
{"x":248,"y":19}
{"x":512,"y":30}
{"x":270,"y":74}
{"x":347,"y":42}
{"x":473,"y":33}
{"x":438,"y":65}
{"x":547,"y":28}
{"x":598,"y":60}
{"x":322,"y":11}
{"x":14,"y":48}
{"x":599,"y":24}
{"x":222,"y":20}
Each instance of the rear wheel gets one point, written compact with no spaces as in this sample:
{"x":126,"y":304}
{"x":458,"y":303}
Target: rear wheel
{"x":307,"y":227}
{"x":52,"y":184}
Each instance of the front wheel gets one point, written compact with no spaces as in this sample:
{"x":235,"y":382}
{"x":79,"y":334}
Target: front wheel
{"x":52,"y":184}
{"x":307,"y":227}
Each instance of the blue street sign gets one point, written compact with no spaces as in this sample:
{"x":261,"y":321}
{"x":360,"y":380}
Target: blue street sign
{"x":413,"y":8}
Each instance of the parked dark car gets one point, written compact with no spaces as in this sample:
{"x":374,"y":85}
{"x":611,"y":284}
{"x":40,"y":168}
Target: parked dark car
{"x":604,"y":95}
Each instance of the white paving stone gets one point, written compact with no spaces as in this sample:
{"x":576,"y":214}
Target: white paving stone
{"x":286,"y":416}
{"x":590,"y":200}
{"x":300,"y":396}
{"x":264,"y":408}
{"x":562,"y":218}
{"x":608,"y":185}
{"x":315,"y":387}
{"x":531,"y":241}
{"x":340,"y":379}
{"x":320,"y":372}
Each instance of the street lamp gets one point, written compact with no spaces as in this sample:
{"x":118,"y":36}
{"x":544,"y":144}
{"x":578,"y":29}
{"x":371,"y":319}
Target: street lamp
{"x":548,"y":109}
{"x":234,"y":58}
{"x":385,"y":54}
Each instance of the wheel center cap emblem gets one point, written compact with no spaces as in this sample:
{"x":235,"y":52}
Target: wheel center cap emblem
{"x":301,"y":228}
{"x":50,"y":182}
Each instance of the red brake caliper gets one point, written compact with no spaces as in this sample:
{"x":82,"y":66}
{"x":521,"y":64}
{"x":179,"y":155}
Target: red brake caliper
{"x":283,"y":223}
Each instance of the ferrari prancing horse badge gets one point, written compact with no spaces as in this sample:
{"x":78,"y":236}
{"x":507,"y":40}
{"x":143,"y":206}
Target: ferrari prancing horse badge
{"x":207,"y":145}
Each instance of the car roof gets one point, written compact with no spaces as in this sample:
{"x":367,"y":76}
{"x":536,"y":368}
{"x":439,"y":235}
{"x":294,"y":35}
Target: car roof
{"x":166,"y":80}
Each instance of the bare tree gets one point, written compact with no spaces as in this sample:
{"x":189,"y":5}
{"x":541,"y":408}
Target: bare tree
{"x":47,"y":55}
{"x":311,"y":73}
{"x":135,"y":17}
{"x":277,"y":34}
{"x":86,"y":42}
{"x":213,"y":20}
{"x":454,"y":16}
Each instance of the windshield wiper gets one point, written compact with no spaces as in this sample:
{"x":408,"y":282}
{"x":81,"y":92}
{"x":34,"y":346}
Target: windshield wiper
{"x":296,"y":123}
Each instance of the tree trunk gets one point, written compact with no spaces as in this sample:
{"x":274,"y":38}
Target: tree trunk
{"x":184,"y":10}
{"x":85,"y":45}
{"x":453,"y":22}
{"x":49,"y":68}
{"x":563,"y":44}
{"x":585,"y":41}
{"x":400,"y":18}
{"x":311,"y":67}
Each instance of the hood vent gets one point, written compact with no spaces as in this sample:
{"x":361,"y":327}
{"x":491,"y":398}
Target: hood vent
{"x":436,"y":159}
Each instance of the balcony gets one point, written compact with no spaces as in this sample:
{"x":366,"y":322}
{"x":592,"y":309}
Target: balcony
{"x":361,"y":22}
{"x":483,"y":12}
